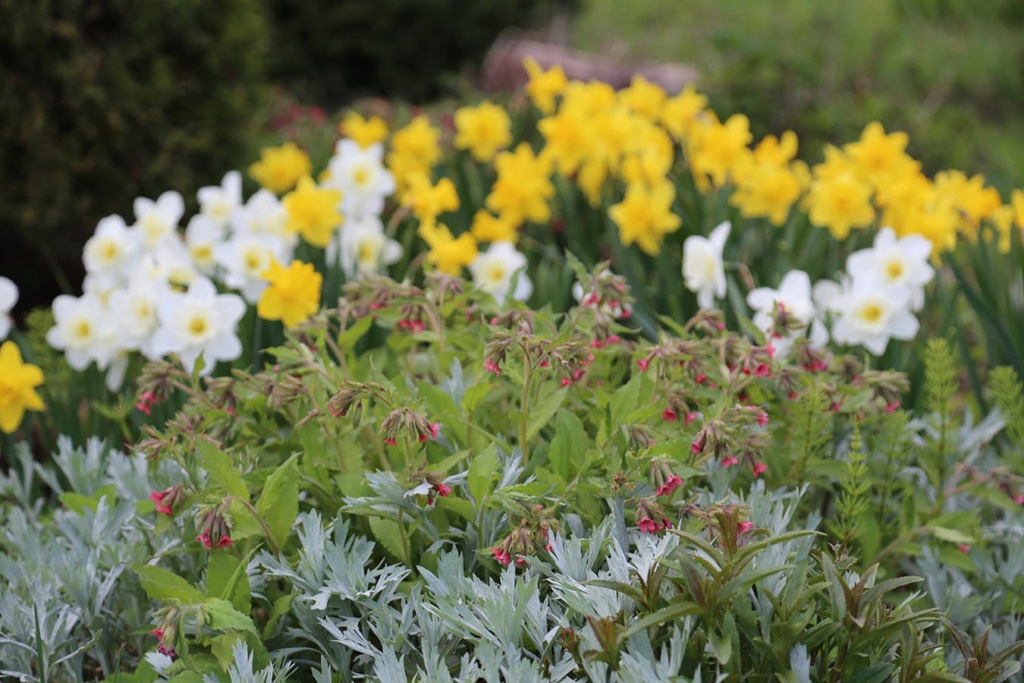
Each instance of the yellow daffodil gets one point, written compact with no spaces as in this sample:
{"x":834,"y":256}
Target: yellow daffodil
{"x":364,"y":131}
{"x":544,"y":86}
{"x":645,"y":215}
{"x":427,"y":201}
{"x":419,"y":141}
{"x":840,"y":203}
{"x":18,"y":382}
{"x":768,"y":191}
{"x":568,"y":138}
{"x":717,"y":149}
{"x":969,"y":196}
{"x":279,"y":168}
{"x":447,"y":253}
{"x":878,"y":156}
{"x":483,"y":130}
{"x":313,"y":212}
{"x":644,"y":98}
{"x":293,"y":294}
{"x":523,"y":187}
{"x":679,"y":114}
{"x":652,"y":158}
{"x":489,"y":228}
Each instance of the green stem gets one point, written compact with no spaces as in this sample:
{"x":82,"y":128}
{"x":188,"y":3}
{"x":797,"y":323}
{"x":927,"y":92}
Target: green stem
{"x":524,"y":403}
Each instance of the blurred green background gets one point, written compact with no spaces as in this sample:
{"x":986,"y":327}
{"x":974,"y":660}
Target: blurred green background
{"x":104,"y":102}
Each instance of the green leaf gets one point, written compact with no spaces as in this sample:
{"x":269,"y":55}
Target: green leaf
{"x":664,"y":615}
{"x":281,"y":607}
{"x":222,"y":616}
{"x":626,"y":399}
{"x":221,"y":468}
{"x":165,"y":586}
{"x":460,"y":506}
{"x":221,"y":646}
{"x":569,"y":443}
{"x":226,"y":579}
{"x":950,"y":535}
{"x":244,"y":524}
{"x":387,"y":532}
{"x":721,"y":647}
{"x":473,"y":395}
{"x":481,"y":474}
{"x":348,"y":338}
{"x":879,"y":673}
{"x":279,"y":503}
{"x":542,"y":412}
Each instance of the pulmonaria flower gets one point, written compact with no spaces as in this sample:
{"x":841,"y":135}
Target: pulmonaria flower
{"x":313,"y":212}
{"x":483,"y":130}
{"x":645,"y":215}
{"x":494,"y":270}
{"x":293,"y":295}
{"x":670,"y":485}
{"x":703,"y":267}
{"x":364,"y":248}
{"x":728,"y":461}
{"x":215,"y":532}
{"x":218,"y":202}
{"x":360,"y":174}
{"x":8,"y":297}
{"x":157,"y":221}
{"x":491,"y":365}
{"x":898,"y":263}
{"x":110,"y":254}
{"x":759,"y":469}
{"x":146,"y":402}
{"x":168,"y":499}
{"x":868,"y":313}
{"x":199,"y":323}
{"x":501,"y":556}
{"x":648,"y":525}
{"x":790,"y":306}
{"x":18,"y":382}
{"x":744,"y":527}
{"x":279,"y":168}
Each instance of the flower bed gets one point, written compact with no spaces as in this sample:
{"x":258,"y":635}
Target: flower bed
{"x":608,"y":455}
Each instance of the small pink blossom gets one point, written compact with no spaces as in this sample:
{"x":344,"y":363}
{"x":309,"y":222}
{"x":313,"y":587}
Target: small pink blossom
{"x":648,"y":525}
{"x":390,"y":442}
{"x":728,"y":461}
{"x":168,"y":651}
{"x":892,"y":407}
{"x":762,"y":370}
{"x":613,"y":339}
{"x":688,"y":418}
{"x":669,"y":415}
{"x":770,"y":350}
{"x":435,"y":429}
{"x":762,"y":419}
{"x":146,"y":402}
{"x":759,"y":469}
{"x":670,"y":485}
{"x":566,"y":381}
{"x":1019,"y":499}
{"x":701,"y":378}
{"x":443,"y":490}
{"x":492,"y":366}
{"x":744,"y":527}
{"x":964,"y":548}
{"x":697,"y":446}
{"x":643,"y":364}
{"x":501,"y":556}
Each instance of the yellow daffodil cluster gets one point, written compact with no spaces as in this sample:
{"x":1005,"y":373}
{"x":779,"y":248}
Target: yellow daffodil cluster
{"x":293,"y":294}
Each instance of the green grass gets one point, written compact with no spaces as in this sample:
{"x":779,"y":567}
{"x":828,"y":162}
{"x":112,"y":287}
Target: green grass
{"x":949,"y":72}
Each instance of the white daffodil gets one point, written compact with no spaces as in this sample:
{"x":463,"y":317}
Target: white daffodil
{"x":363,"y":247}
{"x":201,"y":238}
{"x":869,"y":314}
{"x":199,"y":322}
{"x":245,"y":259}
{"x":895,"y":263}
{"x":157,"y":221}
{"x":264,"y":216}
{"x":134,"y":311}
{"x":174,"y":264}
{"x":362,"y":178}
{"x":218,"y":202}
{"x":493,"y":271}
{"x":81,"y":331}
{"x":794,"y":295}
{"x":111,"y":252}
{"x":703,"y":268}
{"x":8,"y":297}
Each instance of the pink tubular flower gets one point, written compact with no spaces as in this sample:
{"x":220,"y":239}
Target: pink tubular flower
{"x":520,"y":561}
{"x":669,"y":415}
{"x":648,"y":525}
{"x":390,"y":442}
{"x":696,"y":447}
{"x":892,"y":407}
{"x":435,"y":429}
{"x":146,"y":402}
{"x":491,"y":366}
{"x":964,"y":548}
{"x":728,"y":461}
{"x":770,"y":350}
{"x":744,"y":527}
{"x":759,"y":469}
{"x":688,"y":418}
{"x":643,"y":364}
{"x":164,"y":650}
{"x":204,"y":538}
{"x":670,"y":485}
{"x":566,"y":382}
{"x":701,"y":378}
{"x":1019,"y":499}
{"x":762,"y":370}
{"x":224,"y":542}
{"x":158,"y":498}
{"x":443,"y":490}
{"x":613,"y":339}
{"x":502,"y":556}
{"x":762,"y":419}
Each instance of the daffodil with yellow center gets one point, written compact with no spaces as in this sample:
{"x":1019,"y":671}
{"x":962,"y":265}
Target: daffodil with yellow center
{"x":645,"y":215}
{"x":364,"y":131}
{"x":447,"y":253}
{"x":483,"y":130}
{"x":313,"y":212}
{"x":279,"y":168}
{"x":293,"y":295}
{"x":840,"y":203}
{"x":544,"y":86}
{"x":681,"y":113}
{"x":18,"y":382}
{"x":523,"y":187}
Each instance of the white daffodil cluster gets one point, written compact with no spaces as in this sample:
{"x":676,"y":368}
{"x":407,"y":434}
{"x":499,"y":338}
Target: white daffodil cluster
{"x":152,"y":288}
{"x":8,"y":297}
{"x":873,"y":302}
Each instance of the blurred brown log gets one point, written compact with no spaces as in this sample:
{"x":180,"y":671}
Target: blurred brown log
{"x":503,"y":67}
